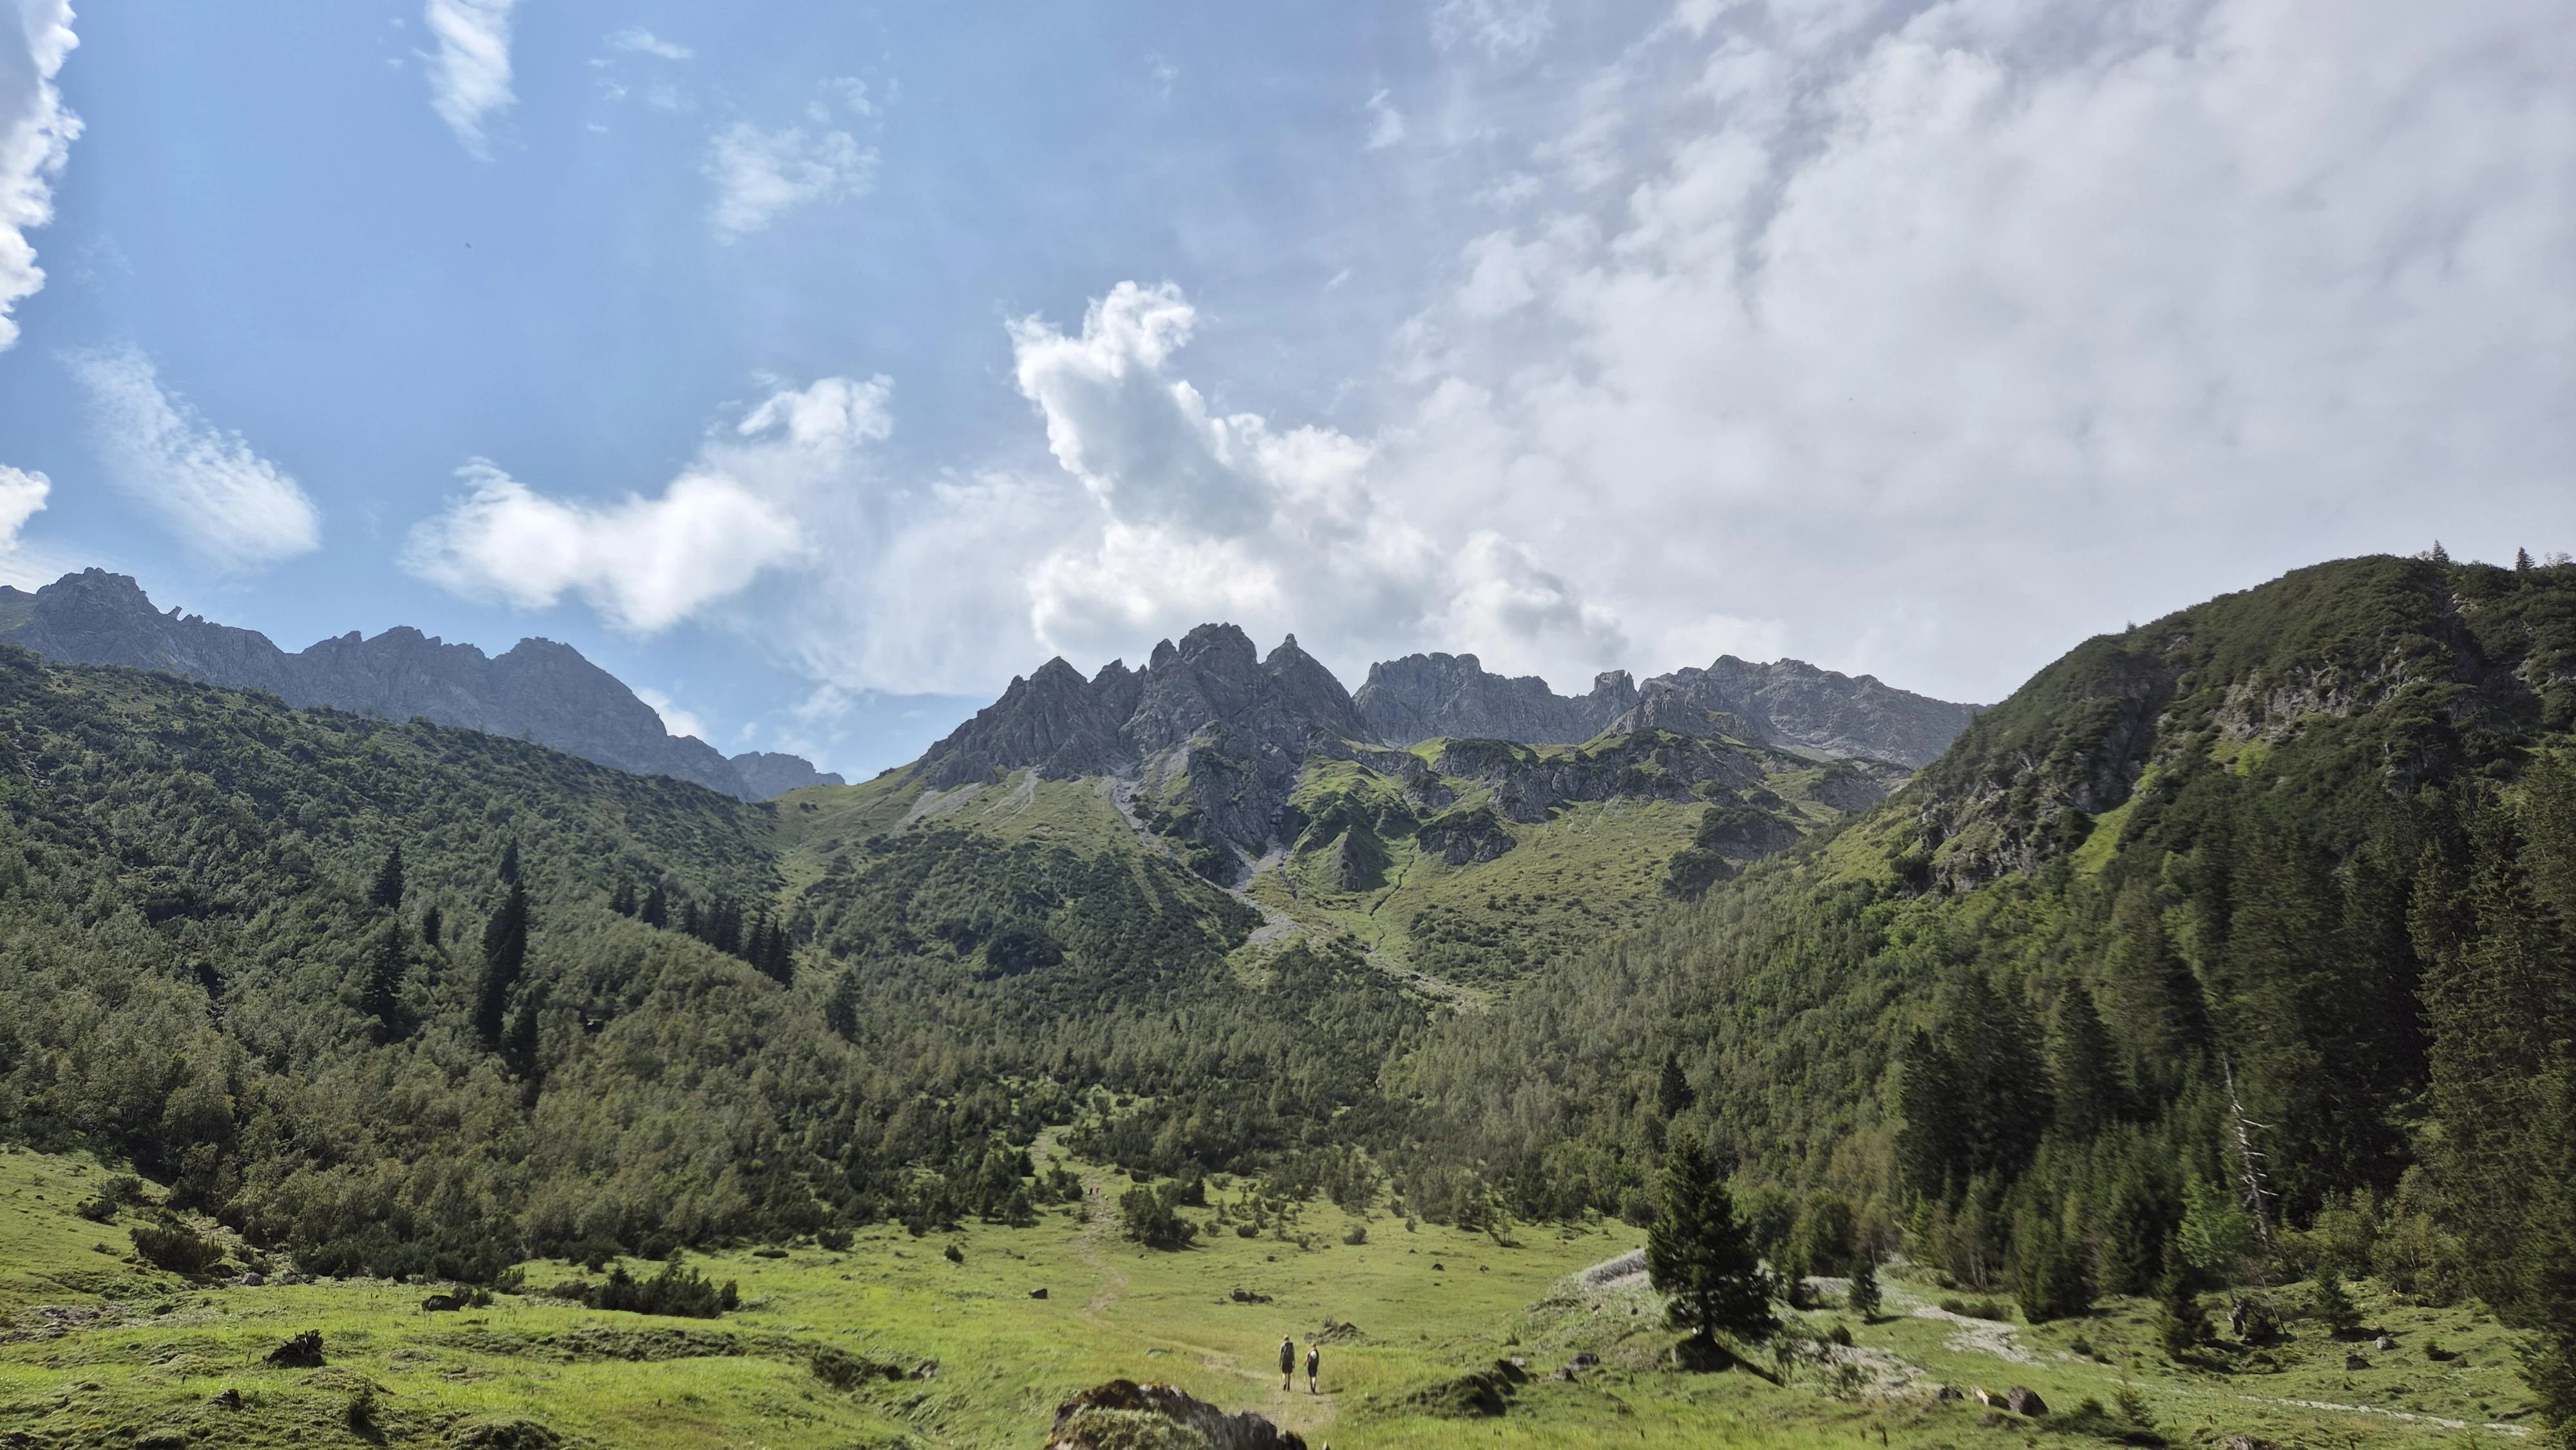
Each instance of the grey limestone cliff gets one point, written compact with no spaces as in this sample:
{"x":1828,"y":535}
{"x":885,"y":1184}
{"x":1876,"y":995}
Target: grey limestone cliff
{"x":1787,"y":702}
{"x":538,"y":689}
{"x":1423,"y":696}
{"x":766,"y":773}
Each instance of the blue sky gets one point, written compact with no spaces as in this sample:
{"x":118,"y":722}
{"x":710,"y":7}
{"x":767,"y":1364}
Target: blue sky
{"x":817,"y":368}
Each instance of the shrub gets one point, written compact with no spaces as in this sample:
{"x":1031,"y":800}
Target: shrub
{"x":1977,"y":1309}
{"x":1148,"y":1217}
{"x":676,"y":1291}
{"x":177,"y":1248}
{"x":1357,"y":1235}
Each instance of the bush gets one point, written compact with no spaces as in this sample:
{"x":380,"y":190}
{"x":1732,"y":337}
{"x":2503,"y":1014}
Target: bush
{"x":176,"y":1248}
{"x":833,"y":1240}
{"x":1358,"y":1235}
{"x":1149,"y":1217}
{"x":677,"y":1292}
{"x":1978,"y":1309}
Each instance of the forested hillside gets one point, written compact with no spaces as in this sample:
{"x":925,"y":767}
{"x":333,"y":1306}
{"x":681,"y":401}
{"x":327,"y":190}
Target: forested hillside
{"x":2229,"y":949}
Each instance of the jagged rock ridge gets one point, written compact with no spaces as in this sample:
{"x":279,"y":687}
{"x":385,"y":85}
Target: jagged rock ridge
{"x":538,"y":690}
{"x":1786,"y":702}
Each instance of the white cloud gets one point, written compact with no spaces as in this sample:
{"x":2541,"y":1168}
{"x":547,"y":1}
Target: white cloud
{"x":1500,"y":28}
{"x":22,"y":497}
{"x":760,"y":175}
{"x":1386,"y":123}
{"x":1953,"y":332}
{"x":469,"y":78}
{"x":36,"y":134}
{"x":646,"y":564}
{"x":640,"y":41}
{"x":674,"y":719}
{"x":217,"y":496}
{"x":1202,"y":516}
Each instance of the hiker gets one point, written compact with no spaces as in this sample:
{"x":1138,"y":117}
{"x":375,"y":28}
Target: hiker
{"x":1314,"y":1354}
{"x":1287,"y":1361}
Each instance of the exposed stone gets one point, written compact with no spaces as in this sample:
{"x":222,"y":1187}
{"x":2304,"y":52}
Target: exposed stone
{"x":765,"y":773}
{"x":2023,"y":1400}
{"x":1107,"y":1416}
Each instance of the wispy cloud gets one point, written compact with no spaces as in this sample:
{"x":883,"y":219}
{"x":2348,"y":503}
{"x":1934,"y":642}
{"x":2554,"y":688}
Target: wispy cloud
{"x":762,"y":175}
{"x":1386,"y":123}
{"x":469,"y":78}
{"x":35,"y":136}
{"x":217,"y":497}
{"x":644,"y":42}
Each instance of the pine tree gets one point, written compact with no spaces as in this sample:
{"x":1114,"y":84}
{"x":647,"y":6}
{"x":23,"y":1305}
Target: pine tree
{"x":2331,"y":1304}
{"x":656,"y":911}
{"x":510,"y":863}
{"x":2090,"y":1096}
{"x":1673,"y":1093}
{"x":2522,"y":561}
{"x":622,"y":900}
{"x":1699,"y":1256}
{"x":2180,"y":1324}
{"x":1929,"y":1143}
{"x":381,"y":996}
{"x":519,"y":1044}
{"x":1864,"y":1297}
{"x":432,"y":926}
{"x":388,"y":891}
{"x":505,"y":954}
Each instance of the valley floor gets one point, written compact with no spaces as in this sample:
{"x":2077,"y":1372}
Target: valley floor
{"x":98,"y":1351}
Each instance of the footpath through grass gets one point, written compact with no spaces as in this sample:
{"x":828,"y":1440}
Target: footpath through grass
{"x":891,"y":1342}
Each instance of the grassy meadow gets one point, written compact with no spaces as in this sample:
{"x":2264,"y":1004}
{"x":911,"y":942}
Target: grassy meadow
{"x":893,"y":1343}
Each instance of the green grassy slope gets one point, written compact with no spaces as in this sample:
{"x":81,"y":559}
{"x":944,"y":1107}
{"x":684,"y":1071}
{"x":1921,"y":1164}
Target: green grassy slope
{"x":97,"y":1352}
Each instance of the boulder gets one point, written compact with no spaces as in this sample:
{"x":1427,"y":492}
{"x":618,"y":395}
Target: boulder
{"x":1123,"y":1412}
{"x":2023,"y":1400}
{"x":1039,"y":1292}
{"x":2355,"y":1361}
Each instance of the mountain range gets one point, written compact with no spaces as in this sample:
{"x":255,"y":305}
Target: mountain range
{"x":537,"y":689}
{"x":1209,"y":693}
{"x":2229,"y":951}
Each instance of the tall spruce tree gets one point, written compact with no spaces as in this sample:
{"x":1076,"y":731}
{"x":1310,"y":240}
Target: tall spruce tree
{"x":387,"y":893}
{"x":505,"y":955}
{"x":381,"y":995}
{"x":1701,"y":1258}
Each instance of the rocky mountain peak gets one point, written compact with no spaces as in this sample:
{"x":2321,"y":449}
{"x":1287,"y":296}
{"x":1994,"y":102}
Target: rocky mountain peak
{"x":540,"y":689}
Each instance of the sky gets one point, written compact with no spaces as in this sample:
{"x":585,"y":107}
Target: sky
{"x":818,"y":368}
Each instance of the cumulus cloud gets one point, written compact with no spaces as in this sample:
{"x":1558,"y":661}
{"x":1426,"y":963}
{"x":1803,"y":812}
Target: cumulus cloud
{"x":646,"y":564}
{"x":22,"y":497}
{"x":36,"y":134}
{"x":674,"y":719}
{"x":1953,"y":331}
{"x":212,"y":491}
{"x":1201,"y":515}
{"x":762,"y":175}
{"x":469,"y":77}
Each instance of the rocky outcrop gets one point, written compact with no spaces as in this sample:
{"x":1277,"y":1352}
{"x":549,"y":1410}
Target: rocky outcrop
{"x":1118,"y":1414}
{"x":1424,"y":696}
{"x":765,"y":773}
{"x":1793,"y":703}
{"x":537,"y":690}
{"x":1213,"y":732}
{"x":1786,"y":702}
